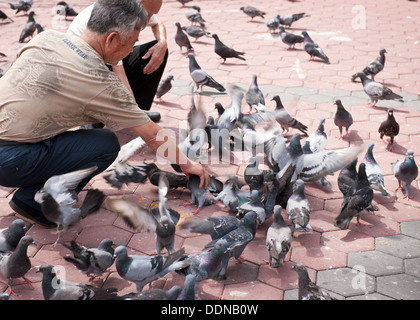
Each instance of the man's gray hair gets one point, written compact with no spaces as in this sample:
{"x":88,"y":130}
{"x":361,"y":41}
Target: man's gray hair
{"x":122,"y":16}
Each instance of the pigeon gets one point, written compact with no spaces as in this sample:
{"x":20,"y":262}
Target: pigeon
{"x":206,"y":265}
{"x":224,"y":51}
{"x":389,"y":128}
{"x":298,"y":208}
{"x":164,"y":87}
{"x":288,"y":121}
{"x":23,"y":5}
{"x":236,"y":241}
{"x":175,"y":180}
{"x":199,"y":196}
{"x":188,"y":292}
{"x":219,"y":107}
{"x":161,"y":221}
{"x":64,"y":9}
{"x":377,"y":91}
{"x":193,"y":14}
{"x":347,"y":178}
{"x":17,"y":263}
{"x":154,"y":294}
{"x":58,"y":197}
{"x":232,"y":195}
{"x":254,"y":96}
{"x":38,"y":28}
{"x":342,"y":118}
{"x":313,"y":49}
{"x":289,"y":38}
{"x":181,"y":39}
{"x":252,"y":12}
{"x":126,"y":152}
{"x":277,"y":191}
{"x":273,"y":23}
{"x":254,"y":176}
{"x":143,"y":270}
{"x":375,"y":66}
{"x":196,"y":32}
{"x":183,"y":2}
{"x":278,"y":239}
{"x":91,"y":261}
{"x":5,"y":18}
{"x":374,"y":172}
{"x":356,"y":200}
{"x":202,"y":78}
{"x":287,"y":20}
{"x":406,"y":172}
{"x":255,"y":205}
{"x":28,"y":28}
{"x":10,"y":236}
{"x":316,"y":141}
{"x":54,"y":288}
{"x":5,"y":296}
{"x":307,"y":289}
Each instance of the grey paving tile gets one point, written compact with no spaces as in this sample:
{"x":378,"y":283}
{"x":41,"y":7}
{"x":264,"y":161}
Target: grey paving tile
{"x":412,"y":266}
{"x":334,"y":92}
{"x":370,"y":296}
{"x":411,"y":228}
{"x":399,"y":246}
{"x":346,"y":281}
{"x":400,"y":286}
{"x":375,"y":262}
{"x":316,"y":98}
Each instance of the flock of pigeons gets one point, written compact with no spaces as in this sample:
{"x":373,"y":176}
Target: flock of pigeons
{"x":262,"y":194}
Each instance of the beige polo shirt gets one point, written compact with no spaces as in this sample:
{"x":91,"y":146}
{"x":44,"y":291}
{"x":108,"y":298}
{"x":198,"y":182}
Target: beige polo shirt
{"x":57,"y":83}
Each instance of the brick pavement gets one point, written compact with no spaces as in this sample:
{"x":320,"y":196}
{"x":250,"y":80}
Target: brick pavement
{"x":383,"y":253}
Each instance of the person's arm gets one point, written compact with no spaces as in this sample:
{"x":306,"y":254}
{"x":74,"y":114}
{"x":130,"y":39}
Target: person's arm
{"x":158,"y":51}
{"x":120,"y":73}
{"x":165,"y":147}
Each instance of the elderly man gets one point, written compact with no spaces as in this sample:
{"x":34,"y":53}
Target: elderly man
{"x":141,"y":71}
{"x":60,"y":82}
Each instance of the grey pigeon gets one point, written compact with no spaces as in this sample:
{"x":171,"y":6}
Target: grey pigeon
{"x":161,"y":221}
{"x":298,"y":208}
{"x":356,"y":200}
{"x":255,"y":204}
{"x":406,"y":172}
{"x":28,"y":28}
{"x":143,"y":270}
{"x":288,"y":20}
{"x":206,"y":265}
{"x":254,"y":176}
{"x":347,"y":178}
{"x":342,"y":118}
{"x":199,"y":196}
{"x":181,"y":38}
{"x":254,"y":96}
{"x":232,"y":195}
{"x":289,"y":38}
{"x":22,"y":5}
{"x":374,"y":172}
{"x":64,"y":9}
{"x":308,"y":290}
{"x":377,"y":91}
{"x":219,"y":107}
{"x":193,"y":14}
{"x":287,"y":121}
{"x":389,"y":128}
{"x":5,"y":296}
{"x":183,"y":2}
{"x":54,"y":288}
{"x":278,"y":239}
{"x":58,"y":197}
{"x":224,"y":51}
{"x":188,"y":292}
{"x":316,"y":141}
{"x":4,"y":17}
{"x":273,"y":23}
{"x":10,"y":236}
{"x":91,"y":261}
{"x":252,"y":12}
{"x":17,"y":263}
{"x":313,"y":49}
{"x":126,"y":152}
{"x":200,"y":77}
{"x":375,"y":66}
{"x":154,"y":294}
{"x":196,"y":32}
{"x":164,"y":87}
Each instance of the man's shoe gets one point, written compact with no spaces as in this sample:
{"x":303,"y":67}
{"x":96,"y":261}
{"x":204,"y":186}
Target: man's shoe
{"x":37,"y":218}
{"x":154,"y":116}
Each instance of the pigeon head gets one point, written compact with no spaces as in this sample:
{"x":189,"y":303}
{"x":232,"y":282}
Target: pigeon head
{"x":45,"y":268}
{"x":390,"y":112}
{"x":299,"y":267}
{"x":361,"y":174}
{"x":170,"y":77}
{"x":409,"y":154}
{"x":382,"y":51}
{"x":215,"y":36}
{"x":120,"y":251}
{"x":178,"y":25}
{"x":338,"y":103}
{"x":281,"y":28}
{"x":299,"y":186}
{"x":277,"y":99}
{"x":27,"y":240}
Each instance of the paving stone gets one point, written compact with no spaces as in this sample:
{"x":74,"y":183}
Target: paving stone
{"x":399,"y":286}
{"x":346,"y":281}
{"x":411,"y":228}
{"x":399,"y":245}
{"x":375,"y":262}
{"x":412,"y":266}
{"x":370,"y":296}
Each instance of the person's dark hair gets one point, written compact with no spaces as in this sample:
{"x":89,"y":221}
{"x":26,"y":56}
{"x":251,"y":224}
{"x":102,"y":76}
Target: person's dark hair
{"x":122,"y":16}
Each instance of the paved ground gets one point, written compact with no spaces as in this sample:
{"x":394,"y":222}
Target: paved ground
{"x":378,"y":260}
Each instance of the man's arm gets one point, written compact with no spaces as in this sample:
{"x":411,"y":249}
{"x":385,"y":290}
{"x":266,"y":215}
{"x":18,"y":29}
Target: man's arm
{"x":159,"y":140}
{"x":158,"y":51}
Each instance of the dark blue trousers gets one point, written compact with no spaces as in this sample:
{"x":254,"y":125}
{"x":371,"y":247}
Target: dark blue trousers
{"x":29,"y":166}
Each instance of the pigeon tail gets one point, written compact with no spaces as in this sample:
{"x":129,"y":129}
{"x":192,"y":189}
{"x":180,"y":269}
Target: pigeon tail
{"x":92,"y":202}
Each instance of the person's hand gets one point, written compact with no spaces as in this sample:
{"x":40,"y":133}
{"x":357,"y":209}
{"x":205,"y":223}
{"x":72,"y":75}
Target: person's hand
{"x":156,"y":54}
{"x":198,"y":170}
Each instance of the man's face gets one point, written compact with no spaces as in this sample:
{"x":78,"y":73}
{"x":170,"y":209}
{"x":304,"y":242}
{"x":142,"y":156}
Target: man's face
{"x":120,"y":47}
